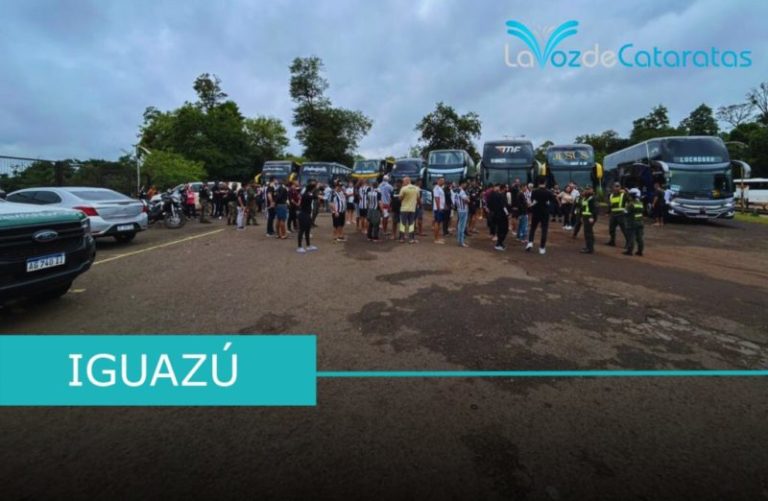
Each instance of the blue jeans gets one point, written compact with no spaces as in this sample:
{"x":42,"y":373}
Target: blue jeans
{"x":522,"y":227}
{"x":461,"y":229}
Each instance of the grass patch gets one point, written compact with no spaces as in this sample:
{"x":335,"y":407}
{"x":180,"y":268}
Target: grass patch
{"x":751,"y":218}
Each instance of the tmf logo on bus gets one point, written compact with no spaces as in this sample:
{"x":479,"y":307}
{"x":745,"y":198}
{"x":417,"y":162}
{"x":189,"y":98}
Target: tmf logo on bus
{"x":627,"y":55}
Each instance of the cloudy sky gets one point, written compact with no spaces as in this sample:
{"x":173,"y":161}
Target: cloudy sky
{"x":77,"y":74}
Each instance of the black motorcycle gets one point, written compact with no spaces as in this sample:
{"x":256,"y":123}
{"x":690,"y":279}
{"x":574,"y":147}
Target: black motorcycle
{"x":168,"y":209}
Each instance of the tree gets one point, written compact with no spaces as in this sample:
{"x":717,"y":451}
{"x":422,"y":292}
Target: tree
{"x":168,"y":169}
{"x":267,"y":138}
{"x":209,"y":91}
{"x":541,"y":151}
{"x":327,"y":133}
{"x":700,"y":122}
{"x":414,"y":152}
{"x":604,"y":143}
{"x":758,"y":97}
{"x":736,"y":114}
{"x":655,"y":124}
{"x":444,"y":128}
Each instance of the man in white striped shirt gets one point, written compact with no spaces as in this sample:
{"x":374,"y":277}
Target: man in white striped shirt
{"x":362,"y":193}
{"x":461,"y":204}
{"x":338,"y":205}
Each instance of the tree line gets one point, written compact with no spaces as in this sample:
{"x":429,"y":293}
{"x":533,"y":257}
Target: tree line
{"x":212,"y":139}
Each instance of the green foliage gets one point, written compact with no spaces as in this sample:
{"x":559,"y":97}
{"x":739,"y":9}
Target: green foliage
{"x":700,"y":122}
{"x":327,"y":133}
{"x":604,"y":143}
{"x":444,"y":128}
{"x":212,"y":131}
{"x":655,"y":124}
{"x":541,"y":151}
{"x":167,"y":169}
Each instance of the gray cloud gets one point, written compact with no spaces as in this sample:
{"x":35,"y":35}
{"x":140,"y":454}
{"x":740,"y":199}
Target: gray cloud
{"x":77,"y":75}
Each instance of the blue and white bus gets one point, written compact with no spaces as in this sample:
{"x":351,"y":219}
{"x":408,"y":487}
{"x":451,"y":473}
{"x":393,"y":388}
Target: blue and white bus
{"x":505,"y":161}
{"x":324,"y":173}
{"x":453,"y":165}
{"x":697,"y":169}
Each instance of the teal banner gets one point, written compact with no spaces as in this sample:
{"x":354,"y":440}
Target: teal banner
{"x":158,"y":370}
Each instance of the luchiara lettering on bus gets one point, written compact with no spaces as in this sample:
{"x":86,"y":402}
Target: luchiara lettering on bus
{"x":102,"y":370}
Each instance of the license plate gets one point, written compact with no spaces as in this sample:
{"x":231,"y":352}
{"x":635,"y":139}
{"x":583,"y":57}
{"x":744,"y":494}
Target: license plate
{"x":125,"y":227}
{"x":43,"y":262}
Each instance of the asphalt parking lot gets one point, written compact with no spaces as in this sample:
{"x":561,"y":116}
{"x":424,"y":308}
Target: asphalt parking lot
{"x":697,"y":300}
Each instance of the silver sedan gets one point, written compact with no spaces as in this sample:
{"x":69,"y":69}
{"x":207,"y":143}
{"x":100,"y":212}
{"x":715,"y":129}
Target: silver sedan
{"x":112,"y":214}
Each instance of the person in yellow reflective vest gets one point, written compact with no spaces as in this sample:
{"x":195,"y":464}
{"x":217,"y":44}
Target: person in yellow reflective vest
{"x":588,"y":210}
{"x":635,"y":223}
{"x":618,"y":214}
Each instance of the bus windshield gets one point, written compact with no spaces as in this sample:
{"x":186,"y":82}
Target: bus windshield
{"x":279,"y":171}
{"x":580,"y":178}
{"x":570,"y":157}
{"x":366,"y":167}
{"x":450,"y":177}
{"x":703,"y":183}
{"x":694,"y":150}
{"x":317,"y":172}
{"x":505,"y":176}
{"x":407,"y":168}
{"x":502,"y":155}
{"x":449,"y":157}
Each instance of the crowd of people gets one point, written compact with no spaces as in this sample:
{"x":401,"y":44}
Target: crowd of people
{"x":385,"y":211}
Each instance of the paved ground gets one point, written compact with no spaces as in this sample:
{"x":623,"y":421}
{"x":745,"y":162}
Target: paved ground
{"x":696,"y":301}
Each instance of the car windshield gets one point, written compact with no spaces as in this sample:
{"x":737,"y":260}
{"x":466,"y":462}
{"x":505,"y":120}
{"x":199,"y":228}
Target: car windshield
{"x":508,"y":154}
{"x":695,"y":150}
{"x":366,"y":166}
{"x":570,"y":157}
{"x":694,"y":182}
{"x":446,"y":158}
{"x":96,"y":195}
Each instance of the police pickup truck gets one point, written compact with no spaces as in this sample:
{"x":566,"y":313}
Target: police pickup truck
{"x":42,"y":250}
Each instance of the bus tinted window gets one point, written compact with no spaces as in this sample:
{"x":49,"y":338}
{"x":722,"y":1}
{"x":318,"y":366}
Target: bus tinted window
{"x":510,"y":154}
{"x":366,"y":166}
{"x":693,"y":151}
{"x":446,"y":158}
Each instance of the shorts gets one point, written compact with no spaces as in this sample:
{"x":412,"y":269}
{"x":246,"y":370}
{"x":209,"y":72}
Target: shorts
{"x":419,"y":213}
{"x":385,"y":211}
{"x":338,"y":221}
{"x":363,"y":212}
{"x":281,"y":212}
{"x":350,"y":205}
{"x":438,"y":215}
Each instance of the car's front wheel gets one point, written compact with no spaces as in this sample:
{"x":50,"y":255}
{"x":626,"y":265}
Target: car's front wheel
{"x":125,"y":237}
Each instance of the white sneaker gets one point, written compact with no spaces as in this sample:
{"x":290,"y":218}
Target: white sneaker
{"x":499,"y":248}
{"x":542,"y":250}
{"x":311,"y":248}
{"x":301,"y":250}
{"x":528,"y":246}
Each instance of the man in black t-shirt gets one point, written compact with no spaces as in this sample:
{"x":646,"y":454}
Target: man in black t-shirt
{"x":281,"y":209}
{"x":269,"y":194}
{"x":541,"y":202}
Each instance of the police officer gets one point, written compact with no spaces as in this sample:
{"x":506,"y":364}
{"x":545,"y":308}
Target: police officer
{"x":618,"y":211}
{"x":588,"y":211}
{"x":635,"y":223}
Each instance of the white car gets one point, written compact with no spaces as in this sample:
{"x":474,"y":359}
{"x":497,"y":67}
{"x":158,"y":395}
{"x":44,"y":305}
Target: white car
{"x":111,"y":214}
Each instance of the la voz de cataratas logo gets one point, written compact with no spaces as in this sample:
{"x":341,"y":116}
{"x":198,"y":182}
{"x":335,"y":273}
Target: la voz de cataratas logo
{"x":628,"y":55}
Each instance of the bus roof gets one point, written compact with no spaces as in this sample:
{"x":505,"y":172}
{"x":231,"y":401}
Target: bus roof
{"x":574,"y":145}
{"x":507,"y":141}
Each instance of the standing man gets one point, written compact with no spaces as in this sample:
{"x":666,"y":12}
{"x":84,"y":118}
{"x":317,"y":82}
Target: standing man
{"x":474,"y":205}
{"x":242,"y":207}
{"x":232,"y":205}
{"x":294,"y":202}
{"x":618,"y":210}
{"x":205,"y":197}
{"x":251,"y":193}
{"x":448,"y":192}
{"x":281,"y":209}
{"x":396,"y":206}
{"x":588,"y":212}
{"x":541,"y":200}
{"x":373,"y":203}
{"x":363,"y":205}
{"x":338,"y":204}
{"x":269,"y":193}
{"x":386,"y":203}
{"x":635,"y":223}
{"x":461,"y":202}
{"x":410,"y":196}
{"x":438,"y":209}
{"x":349,"y":191}
{"x":497,"y":210}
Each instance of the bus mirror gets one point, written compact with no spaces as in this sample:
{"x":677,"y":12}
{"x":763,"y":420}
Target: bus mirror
{"x":599,"y":171}
{"x":743,"y":167}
